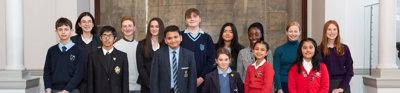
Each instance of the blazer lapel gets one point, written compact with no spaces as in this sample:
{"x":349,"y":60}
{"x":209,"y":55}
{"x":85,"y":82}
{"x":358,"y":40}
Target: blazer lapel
{"x":165,"y":50}
{"x":215,"y":78}
{"x":102,"y":60}
{"x":113,"y":60}
{"x":232,"y":83}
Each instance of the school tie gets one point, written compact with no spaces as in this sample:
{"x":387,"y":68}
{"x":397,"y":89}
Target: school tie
{"x":64,"y":49}
{"x":107,"y":53}
{"x":175,"y":71}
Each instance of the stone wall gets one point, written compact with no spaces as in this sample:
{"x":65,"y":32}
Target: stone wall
{"x":273,"y":14}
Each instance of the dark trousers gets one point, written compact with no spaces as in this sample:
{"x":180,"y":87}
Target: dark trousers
{"x":285,"y":87}
{"x":200,"y":88}
{"x":172,"y":90}
{"x":334,"y":84}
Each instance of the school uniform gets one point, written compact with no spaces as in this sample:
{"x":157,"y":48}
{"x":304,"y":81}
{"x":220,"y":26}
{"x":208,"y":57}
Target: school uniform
{"x":63,"y":69}
{"x":129,"y":47}
{"x":87,"y":46}
{"x":308,"y":80}
{"x":220,"y":82}
{"x":108,"y":73}
{"x":203,"y":47}
{"x":259,"y":78}
{"x":340,"y":69}
{"x":169,"y":74}
{"x":144,"y":65}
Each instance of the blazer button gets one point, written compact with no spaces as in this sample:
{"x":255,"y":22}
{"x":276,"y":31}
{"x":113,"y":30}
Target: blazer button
{"x":108,"y":78}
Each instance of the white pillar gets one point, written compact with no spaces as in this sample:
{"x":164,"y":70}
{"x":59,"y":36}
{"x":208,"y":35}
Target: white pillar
{"x":387,"y":35}
{"x":15,"y":35}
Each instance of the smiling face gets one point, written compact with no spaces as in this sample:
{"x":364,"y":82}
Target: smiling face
{"x":154,"y":28}
{"x":223,"y":61}
{"x":173,"y":39}
{"x":308,"y":50}
{"x":64,"y":32}
{"x":293,"y":33}
{"x":332,"y":32}
{"x":128,"y":28}
{"x":260,"y":51}
{"x":254,"y":35}
{"x":227,"y":35}
{"x":108,"y":39}
{"x":193,"y":20}
{"x":86,"y":23}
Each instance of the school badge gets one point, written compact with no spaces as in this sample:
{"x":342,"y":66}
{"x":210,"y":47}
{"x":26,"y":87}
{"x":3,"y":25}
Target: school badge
{"x":202,"y":47}
{"x":114,"y":58}
{"x":232,"y":75}
{"x":72,"y":58}
{"x":304,"y":73}
{"x":98,"y":46}
{"x":258,"y":75}
{"x":318,"y":74}
{"x":186,"y":74}
{"x":117,"y":69}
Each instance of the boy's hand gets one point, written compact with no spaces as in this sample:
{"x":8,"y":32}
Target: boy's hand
{"x":48,"y":91}
{"x":280,"y":91}
{"x":199,"y":81}
{"x":64,"y":91}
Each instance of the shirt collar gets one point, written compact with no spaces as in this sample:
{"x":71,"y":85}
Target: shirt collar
{"x":68,"y":45}
{"x":152,"y":43}
{"x":87,"y":41}
{"x":128,"y":40}
{"x":226,"y":72}
{"x":187,"y":31}
{"x":177,"y":50}
{"x":262,"y":62}
{"x":105,"y":51}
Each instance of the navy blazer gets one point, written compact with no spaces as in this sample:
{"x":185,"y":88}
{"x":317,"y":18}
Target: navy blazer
{"x":103,"y":78}
{"x":160,"y":76}
{"x":211,"y":84}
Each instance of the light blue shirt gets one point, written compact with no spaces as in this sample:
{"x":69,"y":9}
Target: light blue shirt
{"x":226,"y":72}
{"x":170,"y":63}
{"x":68,"y":46}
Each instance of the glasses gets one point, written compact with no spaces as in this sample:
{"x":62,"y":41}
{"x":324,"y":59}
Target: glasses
{"x":88,"y":22}
{"x":109,"y":36}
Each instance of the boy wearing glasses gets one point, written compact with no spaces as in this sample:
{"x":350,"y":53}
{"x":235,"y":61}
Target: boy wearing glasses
{"x":108,"y":67}
{"x":63,"y":69}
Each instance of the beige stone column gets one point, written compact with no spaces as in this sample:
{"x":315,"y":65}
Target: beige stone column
{"x":15,"y":79}
{"x":386,"y":77}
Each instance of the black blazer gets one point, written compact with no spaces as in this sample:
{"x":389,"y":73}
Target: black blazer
{"x":160,"y":76}
{"x":101,"y":80}
{"x":143,"y":64}
{"x":211,"y":84}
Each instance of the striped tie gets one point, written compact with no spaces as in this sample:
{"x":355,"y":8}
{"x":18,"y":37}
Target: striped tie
{"x":175,"y":71}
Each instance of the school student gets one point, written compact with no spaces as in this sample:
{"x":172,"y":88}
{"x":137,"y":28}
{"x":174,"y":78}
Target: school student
{"x":86,"y":39}
{"x":128,"y":45}
{"x":145,"y":50}
{"x":63,"y":69}
{"x":199,"y":42}
{"x":260,"y":75}
{"x":246,"y":56}
{"x":337,"y":58}
{"x":223,"y":79}
{"x":285,"y":55}
{"x":108,"y":66}
{"x":307,"y":74}
{"x":229,"y":39}
{"x":173,"y":69}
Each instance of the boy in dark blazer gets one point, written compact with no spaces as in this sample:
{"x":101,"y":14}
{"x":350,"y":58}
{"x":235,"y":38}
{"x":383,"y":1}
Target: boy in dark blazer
{"x":108,"y":67}
{"x":63,"y":69}
{"x":174,"y":68}
{"x":223,"y":79}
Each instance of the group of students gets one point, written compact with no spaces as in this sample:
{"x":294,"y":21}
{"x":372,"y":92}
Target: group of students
{"x":169,"y":60}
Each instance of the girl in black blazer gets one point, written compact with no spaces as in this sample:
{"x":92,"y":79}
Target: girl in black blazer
{"x":223,"y":79}
{"x":145,"y":50}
